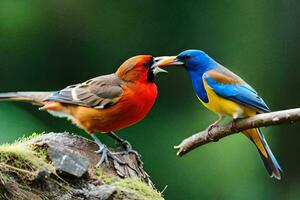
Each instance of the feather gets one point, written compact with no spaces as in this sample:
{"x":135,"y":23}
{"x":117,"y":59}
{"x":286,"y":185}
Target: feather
{"x":98,"y":92}
{"x":237,"y":90}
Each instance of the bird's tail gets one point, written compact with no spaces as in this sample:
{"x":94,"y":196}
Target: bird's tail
{"x":32,"y":97}
{"x":265,"y":152}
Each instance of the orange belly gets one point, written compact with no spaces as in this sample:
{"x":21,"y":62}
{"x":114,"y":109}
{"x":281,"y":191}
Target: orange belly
{"x":133,"y":106}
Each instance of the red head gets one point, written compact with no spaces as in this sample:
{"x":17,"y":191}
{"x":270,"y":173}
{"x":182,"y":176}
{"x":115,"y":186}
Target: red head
{"x":138,"y":69}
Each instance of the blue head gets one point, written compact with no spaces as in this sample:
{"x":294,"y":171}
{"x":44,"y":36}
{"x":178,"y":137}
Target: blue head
{"x":196,"y":63}
{"x":192,"y":60}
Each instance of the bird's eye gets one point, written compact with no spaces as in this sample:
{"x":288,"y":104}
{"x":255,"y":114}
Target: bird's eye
{"x":146,"y":64}
{"x":149,"y":63}
{"x":187,"y":57}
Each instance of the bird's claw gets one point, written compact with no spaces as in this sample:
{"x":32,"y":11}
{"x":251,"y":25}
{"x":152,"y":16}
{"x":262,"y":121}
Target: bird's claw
{"x":105,"y":154}
{"x":127,"y":146}
{"x":210,"y":137}
{"x":233,"y":125}
{"x":128,"y":149}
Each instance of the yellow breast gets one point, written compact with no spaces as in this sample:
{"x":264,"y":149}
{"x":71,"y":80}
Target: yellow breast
{"x":224,"y":106}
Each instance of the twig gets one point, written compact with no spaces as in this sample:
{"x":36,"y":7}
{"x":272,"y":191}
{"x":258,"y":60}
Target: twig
{"x":261,"y":120}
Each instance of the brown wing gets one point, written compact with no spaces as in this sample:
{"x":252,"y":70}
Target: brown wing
{"x":98,"y":92}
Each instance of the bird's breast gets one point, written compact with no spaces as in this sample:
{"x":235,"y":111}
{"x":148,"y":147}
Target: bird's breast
{"x":138,"y":100}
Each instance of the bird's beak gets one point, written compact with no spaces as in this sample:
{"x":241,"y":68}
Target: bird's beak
{"x":155,"y":68}
{"x":164,"y":61}
{"x":158,"y":70}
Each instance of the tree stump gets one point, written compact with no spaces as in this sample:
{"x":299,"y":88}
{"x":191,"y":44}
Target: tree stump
{"x":62,"y":166}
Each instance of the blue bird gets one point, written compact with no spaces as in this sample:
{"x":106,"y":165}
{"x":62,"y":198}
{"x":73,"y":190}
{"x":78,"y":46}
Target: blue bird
{"x":226,"y":94}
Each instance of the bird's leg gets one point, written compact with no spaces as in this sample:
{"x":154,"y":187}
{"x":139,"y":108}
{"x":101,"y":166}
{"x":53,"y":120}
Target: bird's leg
{"x":127,"y":146}
{"x":216,"y":123}
{"x":212,"y":126}
{"x":105,"y":153}
{"x":121,"y":141}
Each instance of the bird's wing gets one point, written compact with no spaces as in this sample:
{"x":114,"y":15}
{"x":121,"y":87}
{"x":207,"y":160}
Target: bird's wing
{"x":99,"y":92}
{"x":228,"y":85}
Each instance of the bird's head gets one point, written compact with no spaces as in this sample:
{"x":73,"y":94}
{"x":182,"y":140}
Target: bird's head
{"x":140,"y":68}
{"x":190,"y":59}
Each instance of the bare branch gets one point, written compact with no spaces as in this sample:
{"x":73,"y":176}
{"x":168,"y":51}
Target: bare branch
{"x":261,"y":120}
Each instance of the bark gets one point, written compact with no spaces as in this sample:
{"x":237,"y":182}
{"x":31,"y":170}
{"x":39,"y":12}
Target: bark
{"x":62,"y":166}
{"x":236,"y":126}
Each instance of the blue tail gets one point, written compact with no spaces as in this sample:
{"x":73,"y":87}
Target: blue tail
{"x":265,"y":152}
{"x":270,"y":163}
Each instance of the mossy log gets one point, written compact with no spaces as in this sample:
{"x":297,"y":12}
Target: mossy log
{"x":62,"y":166}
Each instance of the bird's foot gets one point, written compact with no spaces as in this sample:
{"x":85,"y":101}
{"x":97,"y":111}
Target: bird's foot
{"x":128,"y":149}
{"x":233,"y":125}
{"x":210,"y":137}
{"x":105,"y":154}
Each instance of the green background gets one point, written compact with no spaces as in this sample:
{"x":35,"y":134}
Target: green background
{"x":47,"y":45}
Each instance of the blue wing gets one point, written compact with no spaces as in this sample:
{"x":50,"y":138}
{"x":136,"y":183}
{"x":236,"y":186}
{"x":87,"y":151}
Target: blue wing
{"x":230,"y":86}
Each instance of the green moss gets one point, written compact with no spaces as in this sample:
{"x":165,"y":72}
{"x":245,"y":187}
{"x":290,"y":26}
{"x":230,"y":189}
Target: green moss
{"x":19,"y":155}
{"x":99,"y":172}
{"x":24,"y":158}
{"x":108,"y":180}
{"x":22,"y":152}
{"x":137,"y":188}
{"x":27,"y":138}
{"x":103,"y":177}
{"x":3,"y":179}
{"x":41,"y":152}
{"x":20,"y":163}
{"x":129,"y":187}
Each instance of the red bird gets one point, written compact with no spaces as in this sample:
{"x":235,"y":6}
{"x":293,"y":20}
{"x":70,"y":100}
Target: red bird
{"x":105,"y":103}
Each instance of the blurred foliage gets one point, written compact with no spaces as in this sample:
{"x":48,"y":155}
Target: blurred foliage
{"x":46,"y":45}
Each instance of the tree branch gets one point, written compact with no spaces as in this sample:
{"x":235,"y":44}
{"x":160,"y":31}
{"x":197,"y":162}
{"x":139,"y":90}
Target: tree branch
{"x":238,"y":125}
